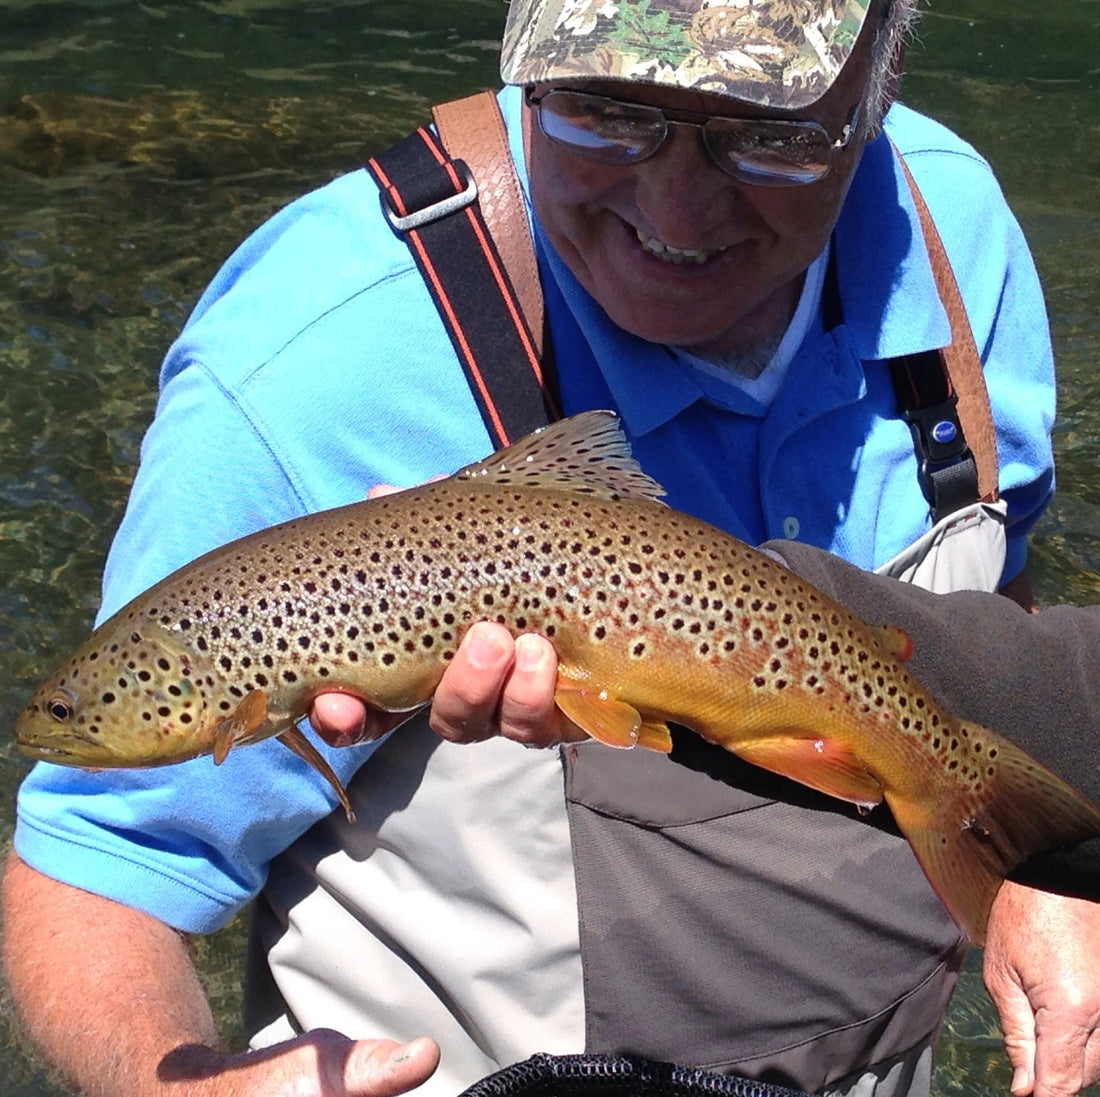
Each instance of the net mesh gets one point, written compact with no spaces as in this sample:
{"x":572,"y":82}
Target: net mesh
{"x":616,"y":1076}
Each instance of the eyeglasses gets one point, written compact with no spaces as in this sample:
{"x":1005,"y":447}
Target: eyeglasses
{"x":763,"y":152}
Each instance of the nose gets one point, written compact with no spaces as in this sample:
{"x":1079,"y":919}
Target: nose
{"x":681,"y":191}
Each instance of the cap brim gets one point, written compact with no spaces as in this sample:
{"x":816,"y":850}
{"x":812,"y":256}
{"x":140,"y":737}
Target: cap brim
{"x":758,"y":52}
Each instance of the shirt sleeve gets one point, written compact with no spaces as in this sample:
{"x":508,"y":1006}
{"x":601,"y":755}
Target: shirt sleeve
{"x":1035,"y":678}
{"x":189,"y":843}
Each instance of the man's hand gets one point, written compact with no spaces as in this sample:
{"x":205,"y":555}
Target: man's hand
{"x":112,"y":1000}
{"x":321,"y":1063}
{"x":495,"y":685}
{"x":1041,"y":968}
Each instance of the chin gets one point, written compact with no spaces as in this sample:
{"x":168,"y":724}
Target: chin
{"x":672,"y":331}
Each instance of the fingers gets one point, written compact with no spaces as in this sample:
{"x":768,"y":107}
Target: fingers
{"x":1062,"y":1059}
{"x":1018,"y":1026}
{"x":342,"y":720}
{"x":495,"y":685}
{"x":1040,"y":954}
{"x":464,"y":709}
{"x":499,"y":686}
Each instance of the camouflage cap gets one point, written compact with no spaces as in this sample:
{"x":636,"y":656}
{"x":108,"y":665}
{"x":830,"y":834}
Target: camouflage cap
{"x":776,"y":53}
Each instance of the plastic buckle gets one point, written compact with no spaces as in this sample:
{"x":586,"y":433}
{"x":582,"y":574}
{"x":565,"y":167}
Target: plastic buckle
{"x":437,"y":210}
{"x":940,"y":433}
{"x":948,"y":471}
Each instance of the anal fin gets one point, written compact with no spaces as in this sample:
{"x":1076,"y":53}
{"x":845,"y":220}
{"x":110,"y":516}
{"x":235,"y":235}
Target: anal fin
{"x":824,"y":764}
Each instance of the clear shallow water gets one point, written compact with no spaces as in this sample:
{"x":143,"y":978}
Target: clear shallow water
{"x":139,"y":142}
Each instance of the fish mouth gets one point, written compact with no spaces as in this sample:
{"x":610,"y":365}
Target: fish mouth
{"x":48,"y":745}
{"x":40,"y":752}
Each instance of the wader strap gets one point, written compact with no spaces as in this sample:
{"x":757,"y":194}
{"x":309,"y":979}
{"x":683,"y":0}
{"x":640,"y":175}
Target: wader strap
{"x":956,"y":400}
{"x":473,"y":130}
{"x":928,"y":403}
{"x":431,"y":201}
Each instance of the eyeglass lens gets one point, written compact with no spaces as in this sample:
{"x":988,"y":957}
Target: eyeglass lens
{"x":759,"y":151}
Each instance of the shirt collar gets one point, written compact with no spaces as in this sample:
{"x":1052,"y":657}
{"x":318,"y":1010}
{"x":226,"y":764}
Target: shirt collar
{"x":648,"y":383}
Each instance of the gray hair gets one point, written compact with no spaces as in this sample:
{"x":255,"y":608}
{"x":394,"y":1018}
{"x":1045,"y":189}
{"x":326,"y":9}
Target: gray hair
{"x":897,"y":19}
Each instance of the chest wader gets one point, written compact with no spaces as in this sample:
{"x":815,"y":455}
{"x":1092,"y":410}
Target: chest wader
{"x":724,"y":918}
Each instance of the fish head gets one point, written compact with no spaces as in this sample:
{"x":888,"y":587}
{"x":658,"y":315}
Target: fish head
{"x":129,"y":697}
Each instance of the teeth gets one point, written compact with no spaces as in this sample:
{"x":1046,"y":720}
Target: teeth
{"x":671,"y":254}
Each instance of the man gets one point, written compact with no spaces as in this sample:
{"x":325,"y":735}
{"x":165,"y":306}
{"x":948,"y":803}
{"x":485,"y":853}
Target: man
{"x":687,"y":272}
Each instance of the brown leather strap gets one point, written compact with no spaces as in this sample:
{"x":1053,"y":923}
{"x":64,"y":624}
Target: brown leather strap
{"x":473,"y":130}
{"x":961,"y":358}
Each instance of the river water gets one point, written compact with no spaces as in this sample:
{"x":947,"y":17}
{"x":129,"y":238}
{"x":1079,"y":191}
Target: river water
{"x":139,"y":142}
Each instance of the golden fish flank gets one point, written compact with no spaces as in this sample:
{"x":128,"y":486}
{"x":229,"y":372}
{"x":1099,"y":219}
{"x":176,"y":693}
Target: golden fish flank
{"x":655,"y":616}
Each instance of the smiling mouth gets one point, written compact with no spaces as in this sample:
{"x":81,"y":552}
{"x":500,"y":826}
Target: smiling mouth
{"x":669,"y":254}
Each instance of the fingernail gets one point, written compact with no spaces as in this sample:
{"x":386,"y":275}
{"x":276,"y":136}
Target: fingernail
{"x":484,"y":649}
{"x":530,"y":653}
{"x":401,"y":1053}
{"x":1021,"y":1081}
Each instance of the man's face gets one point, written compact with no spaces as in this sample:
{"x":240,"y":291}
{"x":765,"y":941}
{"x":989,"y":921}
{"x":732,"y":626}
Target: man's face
{"x":613,"y":225}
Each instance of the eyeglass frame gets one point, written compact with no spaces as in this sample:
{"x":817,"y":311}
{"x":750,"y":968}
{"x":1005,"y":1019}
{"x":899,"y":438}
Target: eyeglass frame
{"x":699,"y":120}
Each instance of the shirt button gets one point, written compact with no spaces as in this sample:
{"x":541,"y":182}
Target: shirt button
{"x":791,"y":527}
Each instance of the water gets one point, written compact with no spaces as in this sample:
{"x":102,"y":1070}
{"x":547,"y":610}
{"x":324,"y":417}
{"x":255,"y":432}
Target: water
{"x":140,"y":141}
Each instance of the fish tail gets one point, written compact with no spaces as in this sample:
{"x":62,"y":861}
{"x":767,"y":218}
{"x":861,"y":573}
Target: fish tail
{"x":970,"y":841}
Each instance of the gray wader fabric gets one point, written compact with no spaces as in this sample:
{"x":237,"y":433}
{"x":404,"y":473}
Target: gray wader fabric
{"x":448,"y":909}
{"x":736,"y":922}
{"x":717,"y":926}
{"x":964,"y":551}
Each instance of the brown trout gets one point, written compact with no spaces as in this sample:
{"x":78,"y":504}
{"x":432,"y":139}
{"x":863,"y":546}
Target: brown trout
{"x":655,"y":616}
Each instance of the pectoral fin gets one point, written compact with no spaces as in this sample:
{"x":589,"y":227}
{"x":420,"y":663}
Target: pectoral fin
{"x":297,"y":742}
{"x":614,"y":723}
{"x":241,"y":724}
{"x":824,"y":764}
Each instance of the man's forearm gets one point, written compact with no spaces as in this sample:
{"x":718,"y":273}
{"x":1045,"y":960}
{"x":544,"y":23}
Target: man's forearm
{"x":106,"y":992}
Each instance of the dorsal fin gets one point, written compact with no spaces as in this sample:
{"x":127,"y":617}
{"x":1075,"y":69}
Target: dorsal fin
{"x":585,"y":453}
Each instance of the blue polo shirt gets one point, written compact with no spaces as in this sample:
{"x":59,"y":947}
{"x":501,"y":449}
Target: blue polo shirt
{"x":315,"y":366}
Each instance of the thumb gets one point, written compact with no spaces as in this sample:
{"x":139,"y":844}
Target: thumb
{"x":376,"y":1068}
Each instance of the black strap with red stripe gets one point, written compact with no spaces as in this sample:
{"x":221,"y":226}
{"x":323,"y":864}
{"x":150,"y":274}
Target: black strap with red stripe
{"x":430,"y":200}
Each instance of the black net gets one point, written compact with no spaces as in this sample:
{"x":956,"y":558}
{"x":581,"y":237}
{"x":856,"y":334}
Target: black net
{"x":616,"y":1076}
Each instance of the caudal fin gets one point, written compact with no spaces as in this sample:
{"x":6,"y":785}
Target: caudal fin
{"x":969,"y":844}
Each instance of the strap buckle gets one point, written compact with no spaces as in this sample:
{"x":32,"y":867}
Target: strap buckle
{"x":939,"y":431}
{"x":948,"y":470}
{"x":434,"y":211}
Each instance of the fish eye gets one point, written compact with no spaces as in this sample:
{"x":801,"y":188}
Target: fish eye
{"x":60,"y":707}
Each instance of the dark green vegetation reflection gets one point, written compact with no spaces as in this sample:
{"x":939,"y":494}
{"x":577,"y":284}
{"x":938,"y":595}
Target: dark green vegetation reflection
{"x":139,"y":142}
